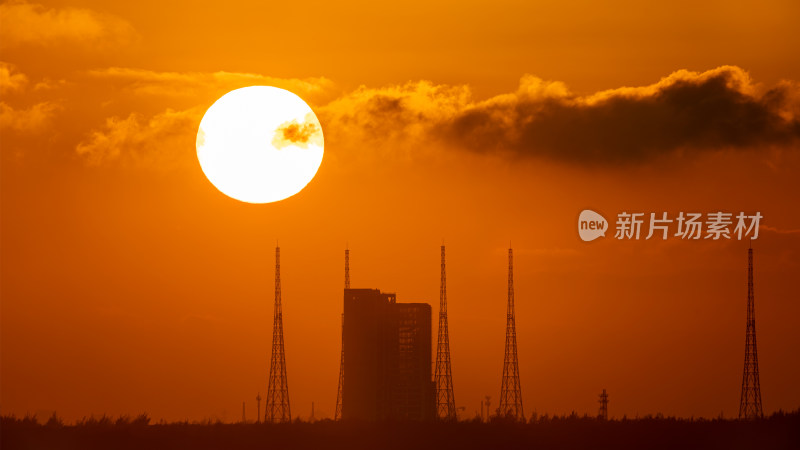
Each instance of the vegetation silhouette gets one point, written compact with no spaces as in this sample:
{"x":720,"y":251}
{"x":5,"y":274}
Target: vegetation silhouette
{"x":778,"y":431}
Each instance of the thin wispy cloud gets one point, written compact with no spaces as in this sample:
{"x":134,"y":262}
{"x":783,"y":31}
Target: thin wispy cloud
{"x":10,"y":78}
{"x":159,"y":141}
{"x":171,"y":84}
{"x":24,"y":23}
{"x":32,"y":119}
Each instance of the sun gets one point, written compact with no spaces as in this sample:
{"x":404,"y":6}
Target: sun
{"x":260,"y":144}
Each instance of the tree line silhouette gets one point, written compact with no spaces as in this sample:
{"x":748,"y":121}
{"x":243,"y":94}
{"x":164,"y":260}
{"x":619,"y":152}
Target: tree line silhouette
{"x":779,"y":431}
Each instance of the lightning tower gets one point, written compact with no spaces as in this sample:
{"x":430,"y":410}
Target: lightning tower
{"x":603,"y":413}
{"x":750,"y":403}
{"x":338,"y":413}
{"x":445,"y":401}
{"x":510,"y":392}
{"x":278,"y":391}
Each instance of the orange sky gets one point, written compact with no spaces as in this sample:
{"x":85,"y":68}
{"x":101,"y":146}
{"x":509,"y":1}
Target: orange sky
{"x":130,"y":284}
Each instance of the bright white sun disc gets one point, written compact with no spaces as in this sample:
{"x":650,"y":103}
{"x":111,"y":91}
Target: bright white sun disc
{"x":260,"y":144}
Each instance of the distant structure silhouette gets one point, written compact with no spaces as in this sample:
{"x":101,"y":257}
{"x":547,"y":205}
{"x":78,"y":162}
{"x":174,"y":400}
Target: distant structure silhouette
{"x":338,"y":412}
{"x":258,"y":408}
{"x":603,"y":413}
{"x":312,"y":418}
{"x":337,"y":415}
{"x":445,"y":401}
{"x":488,"y":411}
{"x":278,"y":409}
{"x":750,"y":402}
{"x":347,"y":268}
{"x":510,"y":392}
{"x":244,"y":418}
{"x":387,"y":358}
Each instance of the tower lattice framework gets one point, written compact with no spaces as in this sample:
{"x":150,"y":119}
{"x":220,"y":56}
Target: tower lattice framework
{"x":603,"y":411}
{"x":750,"y":403}
{"x":338,"y":412}
{"x":445,"y":400}
{"x":278,"y":409}
{"x":510,"y":392}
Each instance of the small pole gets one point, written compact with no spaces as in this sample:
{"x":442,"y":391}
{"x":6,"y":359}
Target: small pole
{"x":258,"y":408}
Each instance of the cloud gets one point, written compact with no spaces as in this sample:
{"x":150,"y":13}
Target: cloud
{"x":379,"y":116}
{"x":718,"y":109}
{"x":31,"y":119}
{"x":48,"y":84}
{"x":779,"y":230}
{"x":686,"y":111}
{"x":9,"y":80}
{"x":299,"y":134}
{"x":23,"y":23}
{"x":162,"y":140}
{"x":193,"y":84}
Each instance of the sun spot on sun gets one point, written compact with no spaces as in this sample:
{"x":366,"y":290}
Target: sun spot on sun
{"x":300,"y":134}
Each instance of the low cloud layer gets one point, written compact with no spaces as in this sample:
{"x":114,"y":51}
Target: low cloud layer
{"x":687,"y":111}
{"x":718,"y":109}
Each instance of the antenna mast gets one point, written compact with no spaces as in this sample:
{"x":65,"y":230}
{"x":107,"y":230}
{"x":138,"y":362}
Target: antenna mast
{"x":510,"y":392}
{"x":445,"y":400}
{"x":337,"y":415}
{"x":278,"y":409}
{"x":750,"y":402}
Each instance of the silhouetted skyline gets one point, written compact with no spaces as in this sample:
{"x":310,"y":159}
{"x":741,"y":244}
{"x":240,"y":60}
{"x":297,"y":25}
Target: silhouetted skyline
{"x":130,"y":282}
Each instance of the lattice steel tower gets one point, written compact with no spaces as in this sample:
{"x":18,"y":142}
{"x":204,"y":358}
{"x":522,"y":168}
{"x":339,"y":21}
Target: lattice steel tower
{"x":750,"y":403}
{"x":510,"y":392}
{"x":603,"y":412}
{"x":445,"y":401}
{"x":338,"y":412}
{"x":278,"y":409}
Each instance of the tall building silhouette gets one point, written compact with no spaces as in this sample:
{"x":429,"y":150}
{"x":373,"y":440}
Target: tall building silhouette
{"x":750,"y":402}
{"x":387,"y":358}
{"x":445,"y":400}
{"x":278,"y":409}
{"x":510,"y":392}
{"x":338,"y":411}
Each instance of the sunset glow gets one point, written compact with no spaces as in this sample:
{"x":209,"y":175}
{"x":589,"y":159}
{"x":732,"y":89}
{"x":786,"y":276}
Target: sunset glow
{"x":152,"y":153}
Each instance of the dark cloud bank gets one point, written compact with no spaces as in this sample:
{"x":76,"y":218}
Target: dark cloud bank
{"x":720,"y":109}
